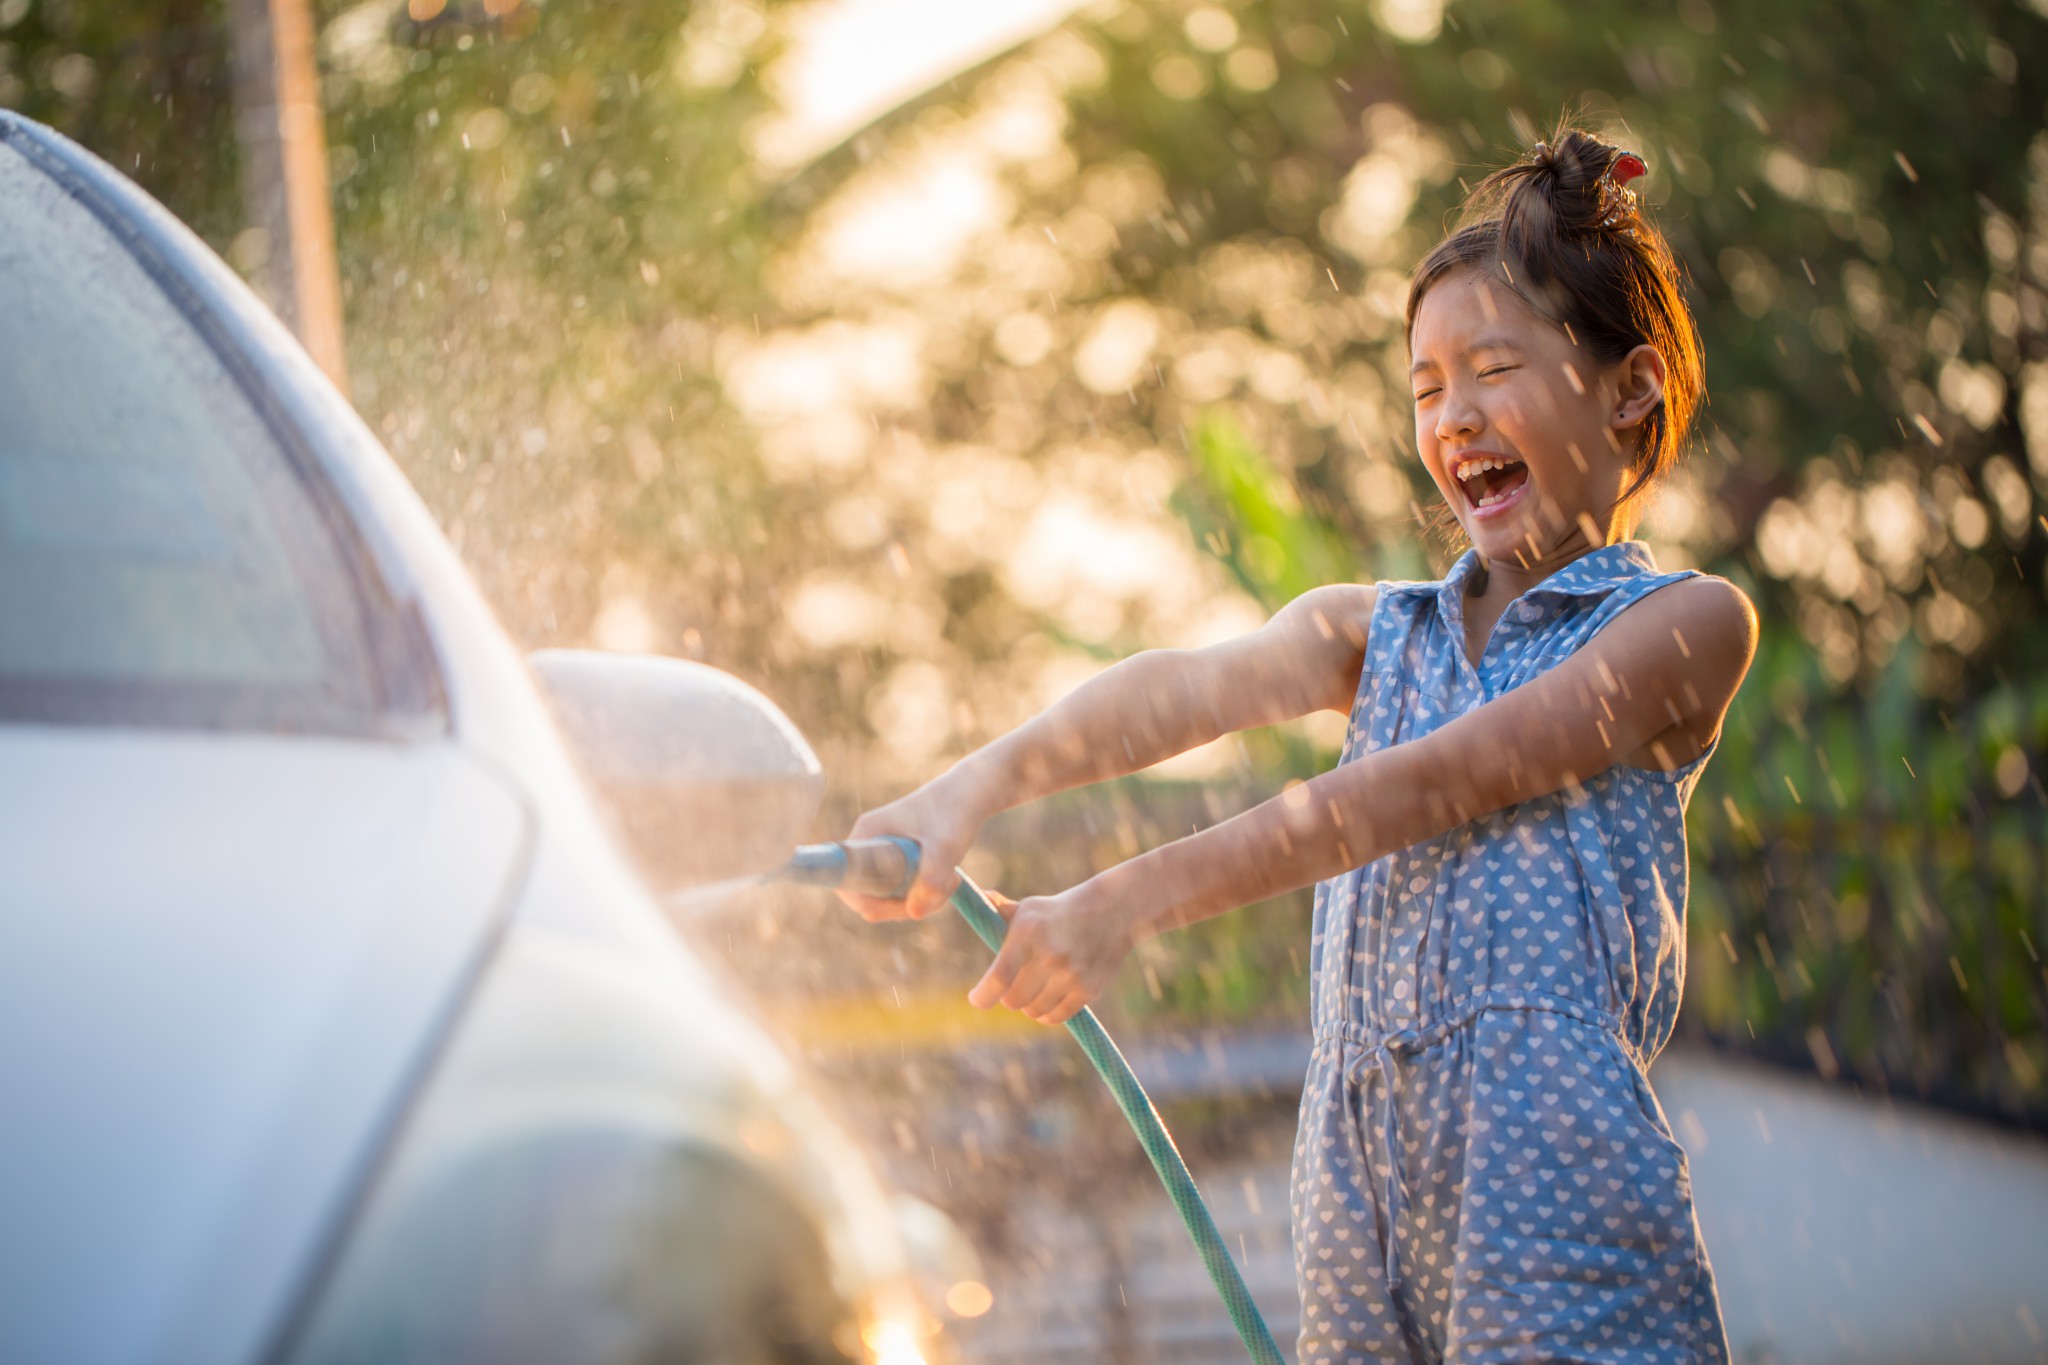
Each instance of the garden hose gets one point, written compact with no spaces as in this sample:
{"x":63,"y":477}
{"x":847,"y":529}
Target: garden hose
{"x":885,"y":868}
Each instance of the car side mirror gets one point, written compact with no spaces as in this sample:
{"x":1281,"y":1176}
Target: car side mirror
{"x":704,"y":776}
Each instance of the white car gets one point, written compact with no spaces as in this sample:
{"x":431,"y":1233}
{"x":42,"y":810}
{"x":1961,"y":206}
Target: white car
{"x":335,"y":1025}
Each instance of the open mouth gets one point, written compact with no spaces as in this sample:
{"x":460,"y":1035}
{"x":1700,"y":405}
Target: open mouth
{"x":1490,"y":481}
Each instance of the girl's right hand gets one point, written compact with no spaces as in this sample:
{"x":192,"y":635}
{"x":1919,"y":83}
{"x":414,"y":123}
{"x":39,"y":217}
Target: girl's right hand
{"x":943,"y":819}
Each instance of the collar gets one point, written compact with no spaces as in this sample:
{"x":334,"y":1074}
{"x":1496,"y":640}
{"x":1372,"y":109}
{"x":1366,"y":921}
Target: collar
{"x":1593,"y":574}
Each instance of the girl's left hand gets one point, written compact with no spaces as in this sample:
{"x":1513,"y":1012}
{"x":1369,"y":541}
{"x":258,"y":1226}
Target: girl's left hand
{"x":1060,"y":953}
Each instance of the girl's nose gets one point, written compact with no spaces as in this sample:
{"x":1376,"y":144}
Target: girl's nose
{"x":1457,"y":416}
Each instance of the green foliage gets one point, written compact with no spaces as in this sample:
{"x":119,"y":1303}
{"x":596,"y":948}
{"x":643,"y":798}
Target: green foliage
{"x":146,"y":87}
{"x":1869,"y":885}
{"x":1248,"y":513}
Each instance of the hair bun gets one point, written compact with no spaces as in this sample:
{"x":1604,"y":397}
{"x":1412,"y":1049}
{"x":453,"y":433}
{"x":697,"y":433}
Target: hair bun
{"x":1563,"y":186}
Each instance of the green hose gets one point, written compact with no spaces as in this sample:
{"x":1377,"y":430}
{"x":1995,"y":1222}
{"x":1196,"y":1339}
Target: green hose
{"x":1152,"y":1136}
{"x":885,"y":868}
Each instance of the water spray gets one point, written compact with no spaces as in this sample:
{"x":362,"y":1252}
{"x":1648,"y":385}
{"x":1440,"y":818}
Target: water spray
{"x":885,"y":868}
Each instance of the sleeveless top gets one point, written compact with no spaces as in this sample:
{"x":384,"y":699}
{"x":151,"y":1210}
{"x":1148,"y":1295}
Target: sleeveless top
{"x":1573,"y":901}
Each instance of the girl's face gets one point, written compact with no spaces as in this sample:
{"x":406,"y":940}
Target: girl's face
{"x":1530,"y":440}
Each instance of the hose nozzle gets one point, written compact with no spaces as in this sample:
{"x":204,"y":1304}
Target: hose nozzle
{"x":883,"y":868}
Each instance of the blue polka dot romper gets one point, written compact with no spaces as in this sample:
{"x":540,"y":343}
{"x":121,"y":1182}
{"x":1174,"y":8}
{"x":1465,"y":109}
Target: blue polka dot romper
{"x":1482,"y":1172}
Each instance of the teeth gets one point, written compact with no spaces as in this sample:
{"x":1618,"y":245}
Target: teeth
{"x":1472,"y":469}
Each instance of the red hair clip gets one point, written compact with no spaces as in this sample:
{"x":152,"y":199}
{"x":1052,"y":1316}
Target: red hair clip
{"x":1619,"y":199}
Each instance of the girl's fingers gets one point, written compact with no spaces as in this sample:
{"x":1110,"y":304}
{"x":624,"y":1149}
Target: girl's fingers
{"x":871,"y":909}
{"x":1018,"y":952}
{"x":1074,"y":1002}
{"x":996,"y":981}
{"x":928,"y":896}
{"x":1030,"y":982}
{"x":1058,"y":986}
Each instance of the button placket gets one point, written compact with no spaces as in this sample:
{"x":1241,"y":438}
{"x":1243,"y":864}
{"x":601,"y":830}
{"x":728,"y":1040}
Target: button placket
{"x":1406,"y":938}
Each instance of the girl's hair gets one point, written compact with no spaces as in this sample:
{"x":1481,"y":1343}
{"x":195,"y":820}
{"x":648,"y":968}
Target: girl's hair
{"x":1567,"y":237}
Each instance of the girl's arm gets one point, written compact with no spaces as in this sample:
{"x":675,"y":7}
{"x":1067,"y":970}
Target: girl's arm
{"x":1660,"y":677}
{"x":1133,"y":714}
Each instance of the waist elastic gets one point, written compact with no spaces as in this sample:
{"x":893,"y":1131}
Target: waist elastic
{"x":1455,"y":1014}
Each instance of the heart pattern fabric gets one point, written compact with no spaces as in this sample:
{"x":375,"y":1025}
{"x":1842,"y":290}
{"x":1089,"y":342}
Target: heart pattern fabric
{"x":1482,"y":1172}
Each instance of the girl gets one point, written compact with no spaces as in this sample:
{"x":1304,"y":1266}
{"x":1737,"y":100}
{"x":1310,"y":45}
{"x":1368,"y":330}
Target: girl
{"x":1481,"y":1170}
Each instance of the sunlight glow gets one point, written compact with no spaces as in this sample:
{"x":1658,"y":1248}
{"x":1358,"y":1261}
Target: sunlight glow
{"x":851,"y":61}
{"x":1412,"y":21}
{"x":908,"y":229}
{"x":892,"y":1341}
{"x":1071,"y":546}
{"x":832,"y":365}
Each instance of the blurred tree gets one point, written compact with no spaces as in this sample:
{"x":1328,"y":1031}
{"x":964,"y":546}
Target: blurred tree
{"x":146,"y":87}
{"x":549,"y":222}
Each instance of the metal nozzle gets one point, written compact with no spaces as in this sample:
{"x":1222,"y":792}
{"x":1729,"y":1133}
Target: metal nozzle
{"x":883,"y":868}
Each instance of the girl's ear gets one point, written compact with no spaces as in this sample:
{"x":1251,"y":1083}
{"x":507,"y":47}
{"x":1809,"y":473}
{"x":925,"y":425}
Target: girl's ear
{"x":1638,"y":385}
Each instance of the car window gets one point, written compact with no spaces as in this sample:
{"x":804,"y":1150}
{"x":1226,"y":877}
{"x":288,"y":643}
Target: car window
{"x":161,"y":562}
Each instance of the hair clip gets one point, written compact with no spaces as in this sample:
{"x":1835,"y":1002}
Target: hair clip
{"x":1619,"y":199}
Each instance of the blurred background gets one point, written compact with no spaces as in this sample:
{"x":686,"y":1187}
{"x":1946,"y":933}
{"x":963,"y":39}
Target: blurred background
{"x":913,"y":360}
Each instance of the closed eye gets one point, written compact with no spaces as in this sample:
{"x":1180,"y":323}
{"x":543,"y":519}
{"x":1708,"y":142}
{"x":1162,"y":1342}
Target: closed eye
{"x":1421,"y":394}
{"x":1492,"y":370}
